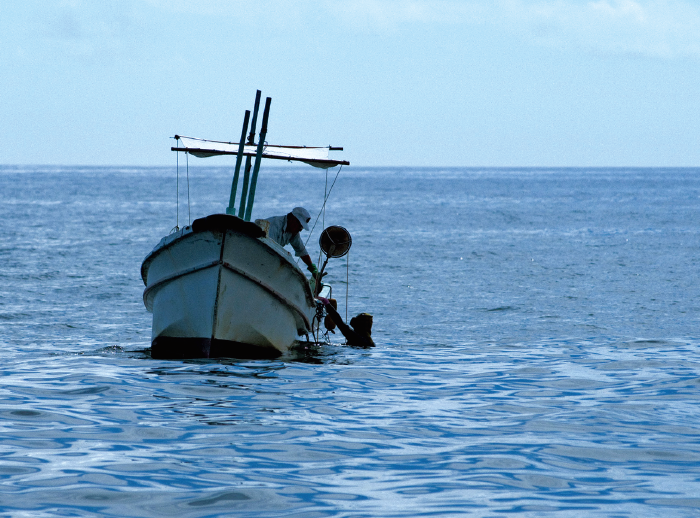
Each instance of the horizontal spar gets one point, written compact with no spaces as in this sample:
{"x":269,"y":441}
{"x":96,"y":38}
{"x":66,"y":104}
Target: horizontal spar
{"x":203,"y":153}
{"x":315,"y":156}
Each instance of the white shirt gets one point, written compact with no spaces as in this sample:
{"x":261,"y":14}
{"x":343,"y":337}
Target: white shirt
{"x":278,"y":232}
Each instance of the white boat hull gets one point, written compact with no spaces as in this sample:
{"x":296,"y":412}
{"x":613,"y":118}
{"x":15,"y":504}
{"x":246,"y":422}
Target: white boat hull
{"x":216,"y":290}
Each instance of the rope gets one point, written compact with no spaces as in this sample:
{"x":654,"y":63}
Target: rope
{"x":325,"y":195}
{"x":316,"y":324}
{"x":189,"y":213}
{"x":347,"y":283}
{"x":323,"y":208}
{"x":177,"y":190}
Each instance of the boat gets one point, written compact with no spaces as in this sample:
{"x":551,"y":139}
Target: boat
{"x":220,"y":287}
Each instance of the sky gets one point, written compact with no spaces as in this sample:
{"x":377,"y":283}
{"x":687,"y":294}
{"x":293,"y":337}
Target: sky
{"x":498,"y":83}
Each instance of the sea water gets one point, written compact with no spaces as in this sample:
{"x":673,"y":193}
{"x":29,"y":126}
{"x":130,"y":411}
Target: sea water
{"x":537,"y":349}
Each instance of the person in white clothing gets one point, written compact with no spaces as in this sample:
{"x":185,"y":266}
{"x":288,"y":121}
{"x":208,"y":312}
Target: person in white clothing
{"x":285,"y":231}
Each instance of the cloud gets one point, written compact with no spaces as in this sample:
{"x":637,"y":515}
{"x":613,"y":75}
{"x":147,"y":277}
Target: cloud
{"x":87,"y":30}
{"x":393,"y":13}
{"x":659,"y":28}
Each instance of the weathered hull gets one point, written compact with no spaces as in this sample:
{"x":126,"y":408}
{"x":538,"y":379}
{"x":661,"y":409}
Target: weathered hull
{"x":217,"y":290}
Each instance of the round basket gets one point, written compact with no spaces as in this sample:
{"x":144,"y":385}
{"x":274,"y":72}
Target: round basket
{"x":335,"y":241}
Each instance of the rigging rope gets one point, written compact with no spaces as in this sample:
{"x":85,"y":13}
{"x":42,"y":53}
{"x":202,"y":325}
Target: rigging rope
{"x":323,"y":208}
{"x":177,"y":190}
{"x":325,"y":195}
{"x":189,"y":213}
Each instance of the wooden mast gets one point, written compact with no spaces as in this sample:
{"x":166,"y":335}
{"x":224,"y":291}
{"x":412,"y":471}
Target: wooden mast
{"x":258,"y":158}
{"x":231,"y":209}
{"x":251,"y":141}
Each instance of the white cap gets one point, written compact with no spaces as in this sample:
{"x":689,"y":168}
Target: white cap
{"x":303,"y":216}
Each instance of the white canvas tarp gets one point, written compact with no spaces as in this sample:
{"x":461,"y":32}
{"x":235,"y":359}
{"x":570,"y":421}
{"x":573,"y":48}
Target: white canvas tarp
{"x":315,"y":156}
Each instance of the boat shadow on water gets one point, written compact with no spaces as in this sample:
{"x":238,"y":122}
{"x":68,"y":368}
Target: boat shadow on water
{"x":305,"y":352}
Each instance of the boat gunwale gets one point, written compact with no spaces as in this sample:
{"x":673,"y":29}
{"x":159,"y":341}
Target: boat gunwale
{"x":161,"y":247}
{"x":175,"y":276}
{"x":269,"y":246}
{"x":268,"y":243}
{"x":212,"y":222}
{"x":280,"y":298}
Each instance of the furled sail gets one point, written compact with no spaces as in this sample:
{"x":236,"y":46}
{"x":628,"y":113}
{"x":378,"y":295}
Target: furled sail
{"x":315,"y":156}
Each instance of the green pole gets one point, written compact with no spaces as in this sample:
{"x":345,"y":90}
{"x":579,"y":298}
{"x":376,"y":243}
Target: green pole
{"x":244,"y":190}
{"x":234,"y":185}
{"x":258,"y":157}
{"x":251,"y":141}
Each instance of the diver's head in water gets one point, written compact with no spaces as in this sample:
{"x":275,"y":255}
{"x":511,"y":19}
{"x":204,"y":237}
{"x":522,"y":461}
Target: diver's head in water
{"x":362,"y":324}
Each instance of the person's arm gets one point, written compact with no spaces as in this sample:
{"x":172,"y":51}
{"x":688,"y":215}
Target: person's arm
{"x":299,"y":248}
{"x":349,"y":333}
{"x":344,"y":328}
{"x":307,"y":260}
{"x":301,"y":252}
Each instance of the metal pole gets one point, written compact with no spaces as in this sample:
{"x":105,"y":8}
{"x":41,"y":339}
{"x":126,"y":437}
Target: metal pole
{"x":258,"y":158}
{"x":234,"y":185}
{"x":251,"y":141}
